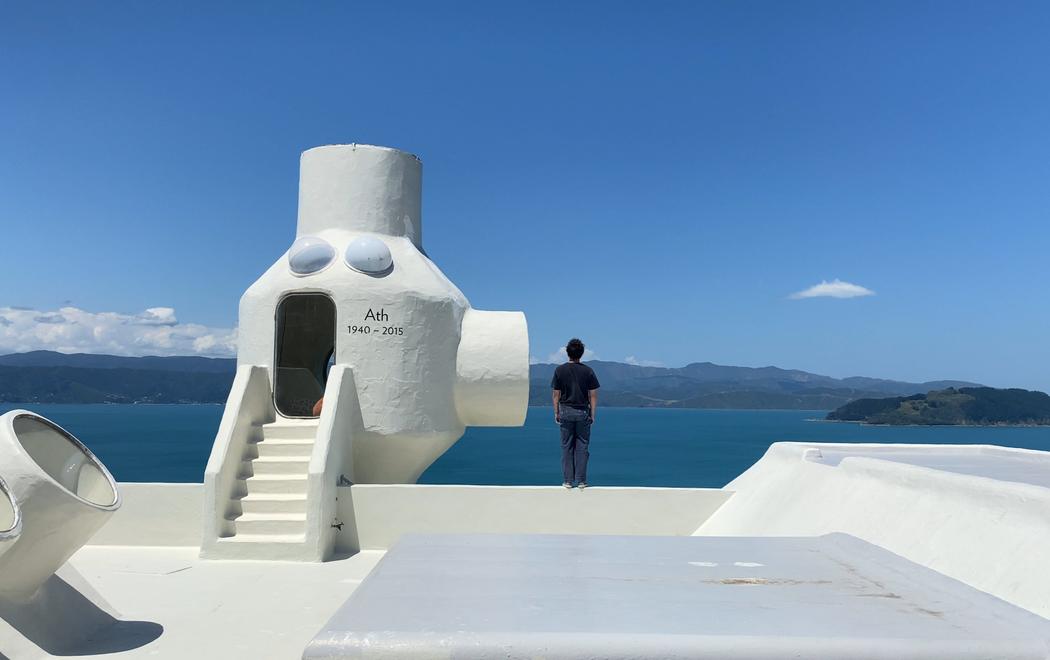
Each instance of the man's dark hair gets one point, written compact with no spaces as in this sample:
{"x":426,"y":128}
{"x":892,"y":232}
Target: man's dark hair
{"x":574,"y":349}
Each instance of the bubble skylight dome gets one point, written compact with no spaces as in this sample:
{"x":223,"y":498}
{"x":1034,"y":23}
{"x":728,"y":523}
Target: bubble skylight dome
{"x":310,"y":254}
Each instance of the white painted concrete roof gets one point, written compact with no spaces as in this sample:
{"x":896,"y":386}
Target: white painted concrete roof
{"x":524,"y":596}
{"x":925,"y":504}
{"x":204,"y":610}
{"x":143,"y":570}
{"x":1002,"y":464}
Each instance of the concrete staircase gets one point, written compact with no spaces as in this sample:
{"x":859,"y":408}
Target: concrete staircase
{"x":272,"y":505}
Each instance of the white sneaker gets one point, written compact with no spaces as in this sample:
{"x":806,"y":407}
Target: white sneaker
{"x":567,"y":485}
{"x":582,"y":485}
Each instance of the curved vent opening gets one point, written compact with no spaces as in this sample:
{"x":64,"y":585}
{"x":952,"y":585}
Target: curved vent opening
{"x":65,"y":460}
{"x":7,"y":511}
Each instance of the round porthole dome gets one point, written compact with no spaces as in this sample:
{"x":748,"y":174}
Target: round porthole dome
{"x":310,"y":254}
{"x":368,"y":254}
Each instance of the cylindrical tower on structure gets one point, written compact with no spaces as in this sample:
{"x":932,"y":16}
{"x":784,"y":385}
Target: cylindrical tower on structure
{"x":359,"y":187}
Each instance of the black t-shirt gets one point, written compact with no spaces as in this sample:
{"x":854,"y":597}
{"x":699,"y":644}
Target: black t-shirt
{"x":574,"y":380}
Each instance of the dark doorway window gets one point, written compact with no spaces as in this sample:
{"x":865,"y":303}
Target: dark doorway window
{"x":305,"y":349}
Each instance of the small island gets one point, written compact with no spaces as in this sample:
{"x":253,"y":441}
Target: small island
{"x":965,"y":406}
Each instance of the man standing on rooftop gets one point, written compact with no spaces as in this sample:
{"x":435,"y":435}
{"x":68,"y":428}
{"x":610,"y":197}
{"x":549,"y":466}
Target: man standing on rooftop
{"x":575,"y":393}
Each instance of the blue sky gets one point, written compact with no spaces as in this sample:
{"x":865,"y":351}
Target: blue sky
{"x":657,"y":178}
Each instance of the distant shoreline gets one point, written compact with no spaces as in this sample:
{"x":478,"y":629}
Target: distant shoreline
{"x":600,"y":407}
{"x":105,"y":403}
{"x":48,"y":377}
{"x":940,"y":426}
{"x":30,"y":404}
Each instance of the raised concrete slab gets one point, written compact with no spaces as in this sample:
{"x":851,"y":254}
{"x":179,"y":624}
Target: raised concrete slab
{"x":1023,"y":466}
{"x":976,"y":514}
{"x":526,"y":596}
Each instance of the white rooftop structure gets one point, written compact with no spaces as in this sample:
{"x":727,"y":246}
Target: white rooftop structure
{"x":359,"y":364}
{"x":354,"y":314}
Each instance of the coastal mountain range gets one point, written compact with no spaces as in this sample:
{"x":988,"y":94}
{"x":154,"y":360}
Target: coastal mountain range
{"x":708,"y":385}
{"x":50,"y":377}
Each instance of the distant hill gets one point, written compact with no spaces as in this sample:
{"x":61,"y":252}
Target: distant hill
{"x":49,"y":377}
{"x":978,"y":406}
{"x":708,"y":385}
{"x":76,"y":385}
{"x":86,"y":360}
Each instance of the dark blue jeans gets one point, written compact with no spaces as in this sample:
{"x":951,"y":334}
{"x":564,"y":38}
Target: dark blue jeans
{"x":575,"y":441}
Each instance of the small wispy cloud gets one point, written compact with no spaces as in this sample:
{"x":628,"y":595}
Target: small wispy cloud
{"x":157,"y":316}
{"x":834,"y":289}
{"x":630,"y":359}
{"x":155,"y":331}
{"x":558,"y":356}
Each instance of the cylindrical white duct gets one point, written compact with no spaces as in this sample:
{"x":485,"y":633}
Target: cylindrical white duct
{"x":65,"y":494}
{"x":10,"y":518}
{"x":360,"y":188}
{"x":492,"y":369}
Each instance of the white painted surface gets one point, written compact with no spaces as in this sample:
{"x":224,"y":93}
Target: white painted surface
{"x":155,"y":514}
{"x":380,"y":514}
{"x":374,"y":516}
{"x":273,"y":475}
{"x":493,"y":353}
{"x":10,"y":518}
{"x":986,"y":531}
{"x":1003,"y":464}
{"x":419,"y":371}
{"x":62,"y":618}
{"x":248,"y":408}
{"x":584,"y":597}
{"x":424,"y":364}
{"x":340,"y":419}
{"x":206,"y":610}
{"x":64,"y":494}
{"x":361,"y":188}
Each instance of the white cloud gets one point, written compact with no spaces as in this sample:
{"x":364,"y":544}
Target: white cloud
{"x":630,"y":359}
{"x":157,"y":316}
{"x":834,"y":289}
{"x":559,"y":356}
{"x":156,"y":331}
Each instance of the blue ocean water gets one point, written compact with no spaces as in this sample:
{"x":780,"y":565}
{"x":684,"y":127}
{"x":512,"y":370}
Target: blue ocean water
{"x":630,"y":446}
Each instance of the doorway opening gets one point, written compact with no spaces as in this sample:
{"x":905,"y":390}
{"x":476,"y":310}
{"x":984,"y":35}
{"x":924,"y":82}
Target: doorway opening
{"x":305,"y":352}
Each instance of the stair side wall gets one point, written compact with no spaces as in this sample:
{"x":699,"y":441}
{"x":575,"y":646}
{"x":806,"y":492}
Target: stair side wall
{"x":250,"y":405}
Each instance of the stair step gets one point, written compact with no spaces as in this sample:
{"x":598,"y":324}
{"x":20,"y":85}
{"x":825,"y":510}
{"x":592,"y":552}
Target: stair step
{"x":285,"y":447}
{"x":270,"y":528}
{"x":244,"y":470}
{"x":279,"y":524}
{"x":272,"y":516}
{"x":281,"y":465}
{"x":292,"y":484}
{"x":275,"y":503}
{"x":265,"y":538}
{"x":290,"y":430}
